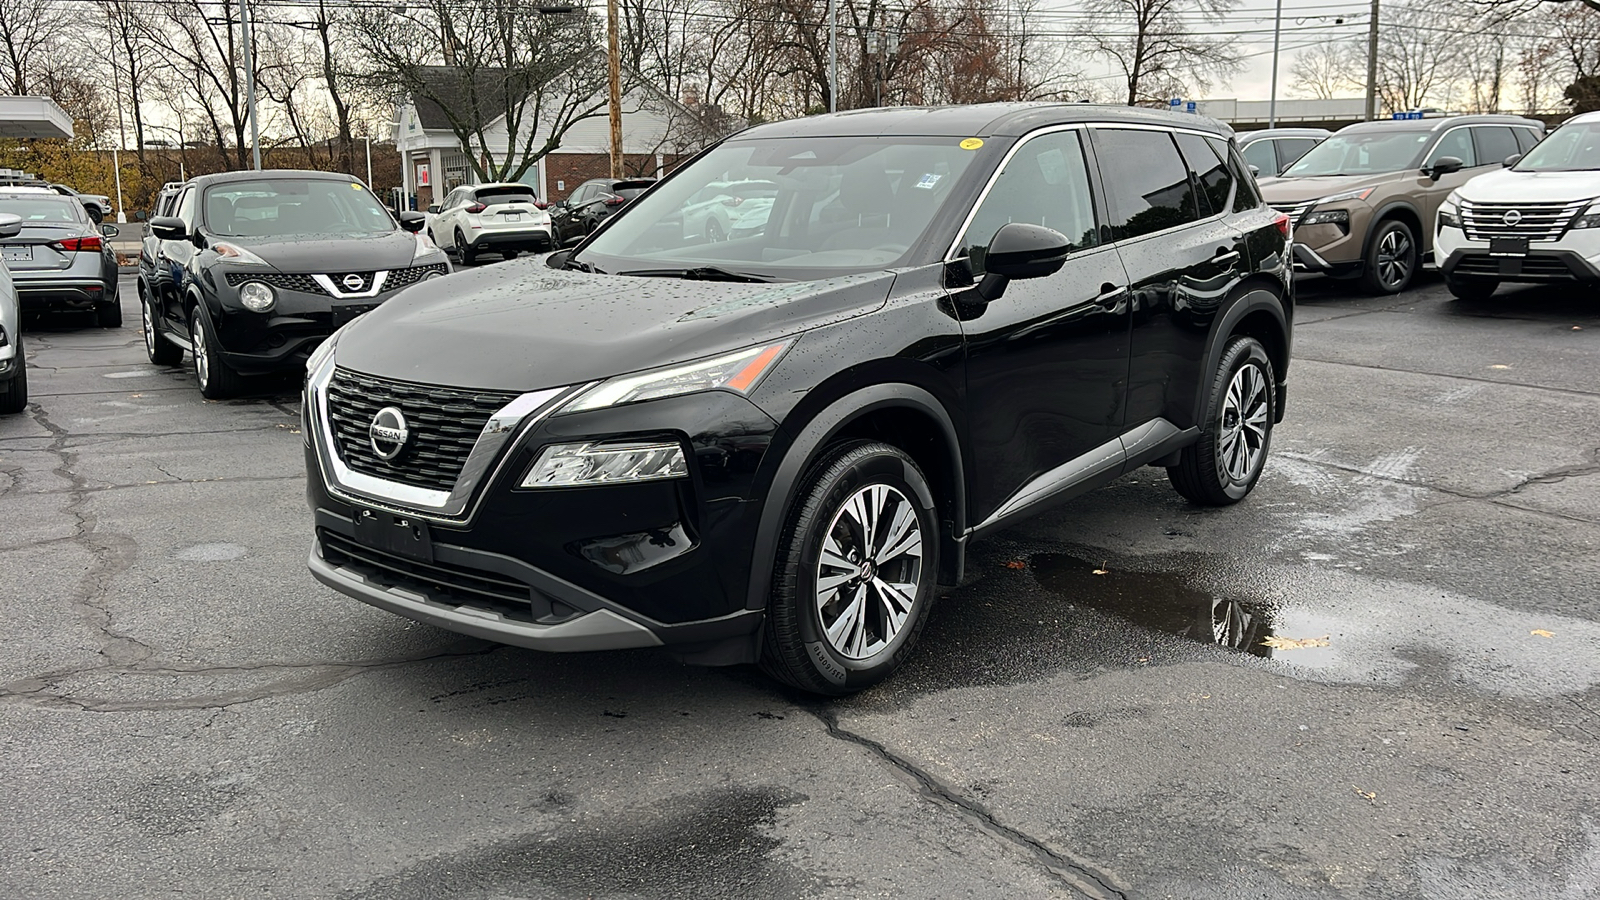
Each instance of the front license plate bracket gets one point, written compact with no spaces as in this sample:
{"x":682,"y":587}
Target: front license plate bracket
{"x":400,"y":535}
{"x":1510,"y":246}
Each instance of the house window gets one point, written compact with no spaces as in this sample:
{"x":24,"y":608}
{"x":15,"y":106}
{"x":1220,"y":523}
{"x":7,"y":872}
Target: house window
{"x":456,"y":169}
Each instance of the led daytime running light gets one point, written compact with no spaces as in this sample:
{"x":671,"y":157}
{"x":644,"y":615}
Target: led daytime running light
{"x":739,"y":372}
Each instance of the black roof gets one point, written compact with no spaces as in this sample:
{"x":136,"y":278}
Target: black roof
{"x":252,"y":175}
{"x":981,"y":120}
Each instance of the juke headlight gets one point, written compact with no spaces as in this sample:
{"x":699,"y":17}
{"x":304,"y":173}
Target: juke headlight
{"x":256,"y":296}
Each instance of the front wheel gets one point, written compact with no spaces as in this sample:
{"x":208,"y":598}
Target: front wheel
{"x":1224,"y":465}
{"x":854,"y":574}
{"x":1471,"y":288}
{"x":1391,"y":259}
{"x":217,"y":381}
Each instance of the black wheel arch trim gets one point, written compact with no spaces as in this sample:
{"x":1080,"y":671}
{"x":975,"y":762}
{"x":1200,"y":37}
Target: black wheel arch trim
{"x":1253,"y":296}
{"x":1385,"y":212}
{"x":816,"y":435}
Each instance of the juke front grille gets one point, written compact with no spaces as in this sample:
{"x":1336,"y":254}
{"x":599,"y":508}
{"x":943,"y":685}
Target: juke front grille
{"x":307,"y":284}
{"x":444,"y":423}
{"x":1534,"y":221}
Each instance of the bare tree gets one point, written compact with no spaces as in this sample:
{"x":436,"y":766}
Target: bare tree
{"x":1420,"y":55}
{"x":1151,"y":44}
{"x":1327,"y":70}
{"x":29,"y":32}
{"x":202,"y":48}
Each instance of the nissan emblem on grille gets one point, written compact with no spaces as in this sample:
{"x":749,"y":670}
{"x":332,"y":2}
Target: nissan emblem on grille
{"x":388,"y":432}
{"x":354,"y":282}
{"x":1512,"y":217}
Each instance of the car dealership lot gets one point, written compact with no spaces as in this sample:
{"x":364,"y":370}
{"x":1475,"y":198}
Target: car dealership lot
{"x":186,"y":713}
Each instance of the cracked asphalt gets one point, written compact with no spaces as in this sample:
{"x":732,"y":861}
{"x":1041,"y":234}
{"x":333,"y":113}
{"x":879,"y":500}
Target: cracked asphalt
{"x":185,"y":713}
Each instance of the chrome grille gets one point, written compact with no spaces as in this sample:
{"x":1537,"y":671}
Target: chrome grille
{"x":444,"y":422}
{"x":1535,"y":221}
{"x":1295,"y":211}
{"x":307,"y":284}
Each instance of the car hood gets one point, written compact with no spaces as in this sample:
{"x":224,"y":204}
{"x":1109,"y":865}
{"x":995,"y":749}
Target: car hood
{"x":324,"y":253}
{"x":523,"y":326}
{"x":1511,"y":186}
{"x":1283,"y":191}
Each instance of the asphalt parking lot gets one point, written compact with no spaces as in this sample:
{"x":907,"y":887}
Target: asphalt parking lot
{"x":184,"y":712}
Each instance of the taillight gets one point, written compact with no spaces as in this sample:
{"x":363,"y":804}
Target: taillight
{"x":91,"y":242}
{"x":476,"y":208}
{"x":1282,"y":221}
{"x":615,"y":201}
{"x":541,"y":204}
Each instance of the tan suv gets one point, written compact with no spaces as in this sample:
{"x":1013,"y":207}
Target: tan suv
{"x":1363,"y":202}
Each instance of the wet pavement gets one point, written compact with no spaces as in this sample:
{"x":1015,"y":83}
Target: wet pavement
{"x":1379,"y":677}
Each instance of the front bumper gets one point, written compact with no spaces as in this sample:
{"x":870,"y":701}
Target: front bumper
{"x":1540,"y":266}
{"x":587,"y":568}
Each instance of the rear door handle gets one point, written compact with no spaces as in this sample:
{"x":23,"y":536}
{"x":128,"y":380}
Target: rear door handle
{"x":1110,"y":295}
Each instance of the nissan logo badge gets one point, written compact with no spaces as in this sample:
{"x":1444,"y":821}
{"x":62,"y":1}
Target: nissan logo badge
{"x":388,"y":433}
{"x":354,"y":283}
{"x":1512,"y":217}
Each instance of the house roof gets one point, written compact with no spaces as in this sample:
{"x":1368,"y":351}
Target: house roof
{"x":454,"y":87}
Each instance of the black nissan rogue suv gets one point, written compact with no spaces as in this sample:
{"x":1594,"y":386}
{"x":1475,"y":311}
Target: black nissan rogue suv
{"x":776,"y":448}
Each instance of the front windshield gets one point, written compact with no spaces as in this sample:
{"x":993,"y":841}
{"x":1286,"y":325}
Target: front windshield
{"x":294,"y":207}
{"x":1570,"y":148}
{"x":788,"y":208}
{"x":1362,"y":153}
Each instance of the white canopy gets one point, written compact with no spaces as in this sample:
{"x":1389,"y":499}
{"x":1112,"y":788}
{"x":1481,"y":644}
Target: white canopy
{"x":33,"y":117}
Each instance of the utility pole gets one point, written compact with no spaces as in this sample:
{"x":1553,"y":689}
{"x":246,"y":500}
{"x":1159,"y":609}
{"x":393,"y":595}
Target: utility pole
{"x":250,"y":84}
{"x":369,"y":161}
{"x":1272,"y":105}
{"x":1372,"y":65}
{"x":615,"y":57}
{"x":833,"y":55}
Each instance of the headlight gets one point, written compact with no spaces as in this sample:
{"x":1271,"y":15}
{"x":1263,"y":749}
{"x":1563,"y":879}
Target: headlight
{"x":1361,"y":194}
{"x":1589,"y":219}
{"x":1448,"y":217}
{"x":739,"y":372}
{"x":256,"y":296}
{"x":568,"y":465}
{"x":1327,"y":217}
{"x":425,"y":247}
{"x":432,"y":275}
{"x":1454,"y":199}
{"x":237,"y":255}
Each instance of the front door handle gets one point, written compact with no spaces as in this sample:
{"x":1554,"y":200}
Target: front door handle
{"x":1225,"y":257}
{"x":1110,"y":295}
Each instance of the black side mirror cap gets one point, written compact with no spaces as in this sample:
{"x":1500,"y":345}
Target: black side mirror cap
{"x":1511,"y":160}
{"x":558,"y":259}
{"x":413,"y":221}
{"x":1255,"y":170}
{"x":1444,"y":165}
{"x":168,"y":228}
{"x":1021,"y":251}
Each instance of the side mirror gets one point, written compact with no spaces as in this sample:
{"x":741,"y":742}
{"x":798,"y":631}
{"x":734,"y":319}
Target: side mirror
{"x":1444,"y":165}
{"x":412,"y":221}
{"x":1511,"y":160}
{"x":1021,"y":251}
{"x":1255,"y":170}
{"x":10,"y":226}
{"x":168,"y":228}
{"x":433,"y":208}
{"x":110,"y":231}
{"x":558,"y":259}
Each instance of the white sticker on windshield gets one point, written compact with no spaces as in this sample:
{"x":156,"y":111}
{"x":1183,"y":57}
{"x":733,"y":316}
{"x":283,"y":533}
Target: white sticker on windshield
{"x":928,"y":181}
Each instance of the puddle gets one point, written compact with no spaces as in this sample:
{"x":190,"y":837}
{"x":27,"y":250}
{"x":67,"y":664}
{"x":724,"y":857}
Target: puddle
{"x":1164,"y":601}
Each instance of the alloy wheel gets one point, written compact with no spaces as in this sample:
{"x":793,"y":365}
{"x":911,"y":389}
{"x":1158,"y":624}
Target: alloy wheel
{"x":149,"y":328}
{"x":1243,"y":426}
{"x":202,"y":363}
{"x":869,"y":571}
{"x":1394,"y":257}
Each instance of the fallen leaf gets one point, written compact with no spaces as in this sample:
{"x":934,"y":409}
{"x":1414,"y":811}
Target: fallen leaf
{"x":1540,"y":632}
{"x":1017,"y":564}
{"x":1283,"y":643}
{"x":135,"y":396}
{"x":1102,"y":570}
{"x":1369,"y":796}
{"x":1577,"y":328}
{"x":1499,"y":367}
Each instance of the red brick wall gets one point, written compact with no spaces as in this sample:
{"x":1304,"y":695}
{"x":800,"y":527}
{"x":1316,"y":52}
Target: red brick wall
{"x":573,"y":169}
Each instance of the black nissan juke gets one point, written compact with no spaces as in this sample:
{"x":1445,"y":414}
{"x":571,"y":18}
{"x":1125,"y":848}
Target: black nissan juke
{"x":776,"y":448}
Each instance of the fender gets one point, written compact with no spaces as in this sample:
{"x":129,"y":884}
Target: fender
{"x":1251,"y":300}
{"x":810,"y":441}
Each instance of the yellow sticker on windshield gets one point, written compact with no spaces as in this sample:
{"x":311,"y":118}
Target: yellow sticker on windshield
{"x":972,"y":143}
{"x":355,"y":186}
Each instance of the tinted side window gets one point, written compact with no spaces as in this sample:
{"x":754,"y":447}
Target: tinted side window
{"x":1216,"y":182}
{"x":1046,"y":182}
{"x":1291,"y":149}
{"x":1246,"y":197}
{"x":186,"y":208}
{"x":1457,"y":143}
{"x":1260,"y":155}
{"x":1146,"y":181}
{"x":1495,"y":143}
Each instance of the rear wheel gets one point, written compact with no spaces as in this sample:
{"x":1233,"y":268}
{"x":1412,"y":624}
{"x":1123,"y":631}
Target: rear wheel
{"x":161,"y":351}
{"x":1471,"y":288}
{"x":108,"y":313}
{"x":1391,"y":259}
{"x":217,"y":381}
{"x":463,"y":250}
{"x":854,"y":574}
{"x":14,"y":393}
{"x":1224,"y":465}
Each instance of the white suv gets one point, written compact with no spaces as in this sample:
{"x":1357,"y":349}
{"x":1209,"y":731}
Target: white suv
{"x":505,"y":218}
{"x":1535,"y":221}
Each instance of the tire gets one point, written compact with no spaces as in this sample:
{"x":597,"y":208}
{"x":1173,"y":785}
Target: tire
{"x":851,"y":492}
{"x":714,"y":231}
{"x":161,"y":351}
{"x":464,"y":251}
{"x":1471,"y":288}
{"x":14,"y":394}
{"x":217,"y":381}
{"x":108,"y":314}
{"x":1223,"y":466}
{"x":1392,"y":258}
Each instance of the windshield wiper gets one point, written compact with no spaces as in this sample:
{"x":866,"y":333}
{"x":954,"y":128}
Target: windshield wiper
{"x":703,"y":273}
{"x":578,"y":265}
